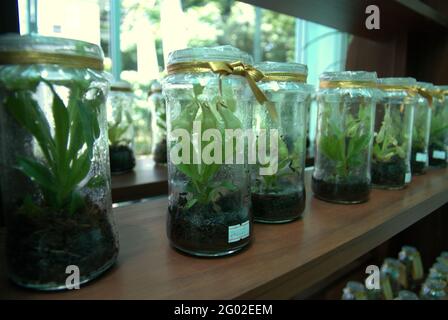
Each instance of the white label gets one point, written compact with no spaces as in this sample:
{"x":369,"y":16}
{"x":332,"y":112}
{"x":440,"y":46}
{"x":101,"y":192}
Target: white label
{"x":407,"y":177}
{"x":238,"y":232}
{"x":421,"y":157}
{"x":437,"y":154}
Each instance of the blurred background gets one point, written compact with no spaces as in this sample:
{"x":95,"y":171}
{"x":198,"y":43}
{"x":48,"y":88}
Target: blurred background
{"x":136,"y":37}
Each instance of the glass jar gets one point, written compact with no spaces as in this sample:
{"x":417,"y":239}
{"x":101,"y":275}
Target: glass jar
{"x":391,"y":167}
{"x":208,"y":210}
{"x":433,"y":290}
{"x":438,"y":138}
{"x":54,"y":165}
{"x":120,"y":128}
{"x":439,"y":271}
{"x":346,"y":110}
{"x":422,"y":125}
{"x":280,"y":197}
{"x":406,"y":295}
{"x":410,"y":258}
{"x":158,"y":125}
{"x":354,"y":290}
{"x":396,"y":272}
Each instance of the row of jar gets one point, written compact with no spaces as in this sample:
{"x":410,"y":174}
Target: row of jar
{"x":54,"y":151}
{"x":369,"y":132}
{"x":403,"y":279}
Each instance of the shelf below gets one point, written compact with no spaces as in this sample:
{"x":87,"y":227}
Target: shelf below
{"x":282,"y":262}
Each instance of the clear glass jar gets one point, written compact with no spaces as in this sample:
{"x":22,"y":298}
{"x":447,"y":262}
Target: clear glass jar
{"x":433,"y":290}
{"x":54,"y":164}
{"x":280,"y":197}
{"x":438,"y":138}
{"x":410,"y":258}
{"x":208,"y":211}
{"x":391,"y":155}
{"x":354,"y":290}
{"x":420,"y":133}
{"x":439,"y":271}
{"x":396,"y":272}
{"x":406,"y":295}
{"x":158,"y":125}
{"x":346,"y":110}
{"x":121,"y":127}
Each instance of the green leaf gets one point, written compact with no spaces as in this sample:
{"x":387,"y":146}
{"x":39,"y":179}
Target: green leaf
{"x":191,"y":203}
{"x":37,"y":172}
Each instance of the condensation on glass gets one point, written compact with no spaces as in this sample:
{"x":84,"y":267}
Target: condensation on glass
{"x":208,"y":210}
{"x":346,"y":112}
{"x":54,"y":161}
{"x":280,"y":197}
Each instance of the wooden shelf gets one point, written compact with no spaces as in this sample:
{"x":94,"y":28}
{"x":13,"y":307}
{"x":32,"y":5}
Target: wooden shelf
{"x":282,"y":262}
{"x":146,"y":180}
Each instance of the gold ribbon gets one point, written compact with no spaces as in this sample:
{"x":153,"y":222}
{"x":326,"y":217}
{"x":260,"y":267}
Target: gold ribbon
{"x":31,"y":57}
{"x":251,"y":74}
{"x":345,"y":84}
{"x":284,"y":76}
{"x":120,"y":89}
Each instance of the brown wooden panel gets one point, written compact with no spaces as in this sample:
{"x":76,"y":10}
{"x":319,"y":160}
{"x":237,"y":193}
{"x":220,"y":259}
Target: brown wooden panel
{"x":397,"y":16}
{"x":387,"y":58}
{"x":283,"y":261}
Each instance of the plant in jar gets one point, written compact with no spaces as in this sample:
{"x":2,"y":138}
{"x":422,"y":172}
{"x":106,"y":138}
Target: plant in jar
{"x":120,"y":128}
{"x":159,"y":125}
{"x":344,"y":143}
{"x":390,"y":148}
{"x":60,"y":224}
{"x":438,"y":140}
{"x":200,"y":216}
{"x":280,"y":197}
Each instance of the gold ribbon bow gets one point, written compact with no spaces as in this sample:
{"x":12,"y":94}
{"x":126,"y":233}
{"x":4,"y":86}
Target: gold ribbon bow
{"x":251,"y":74}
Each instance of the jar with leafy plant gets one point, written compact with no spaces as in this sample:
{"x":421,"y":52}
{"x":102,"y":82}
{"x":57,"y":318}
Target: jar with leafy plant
{"x":120,"y":128}
{"x":438,"y":137}
{"x":280,"y":197}
{"x":346,"y":113}
{"x":54,"y":172}
{"x":209,"y":204}
{"x":391,"y":167}
{"x":158,"y":111}
{"x":422,"y":125}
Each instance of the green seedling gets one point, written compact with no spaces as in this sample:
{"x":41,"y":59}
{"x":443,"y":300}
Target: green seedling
{"x":386,"y":145}
{"x":67,"y":152}
{"x":216,"y":115}
{"x":345,"y":140}
{"x":118,"y":128}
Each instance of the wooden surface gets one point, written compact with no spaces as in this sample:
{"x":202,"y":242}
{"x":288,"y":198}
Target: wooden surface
{"x":146,"y":180}
{"x":283,"y":260}
{"x":396,"y":16}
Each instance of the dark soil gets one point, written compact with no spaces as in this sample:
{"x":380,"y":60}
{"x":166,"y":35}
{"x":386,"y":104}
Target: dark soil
{"x":389,"y":174}
{"x":39,"y":247}
{"x":417,"y":167}
{"x":121,"y":159}
{"x":160,"y":152}
{"x":201,"y":230}
{"x":278,"y":208}
{"x":355,"y":192}
{"x":439,"y":163}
